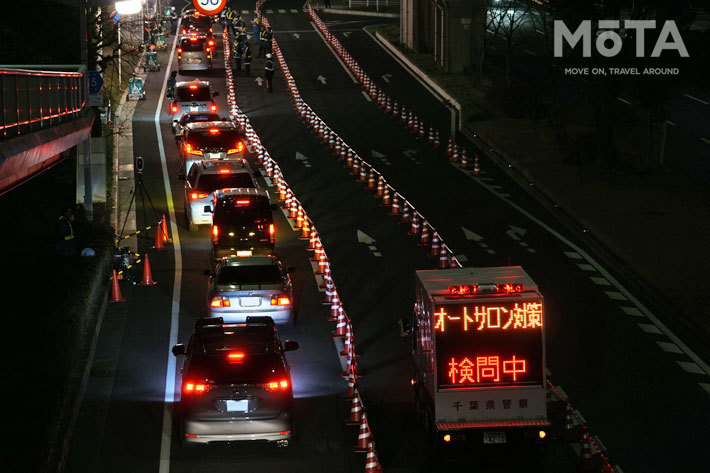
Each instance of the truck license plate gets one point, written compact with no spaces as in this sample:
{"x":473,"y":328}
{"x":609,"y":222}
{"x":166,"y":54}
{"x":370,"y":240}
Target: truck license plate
{"x":493,"y":437}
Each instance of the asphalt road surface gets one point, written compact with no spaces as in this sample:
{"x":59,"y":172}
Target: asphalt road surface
{"x":638,"y":387}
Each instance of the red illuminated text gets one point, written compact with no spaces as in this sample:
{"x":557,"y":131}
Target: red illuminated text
{"x":486,"y":369}
{"x":520,"y":316}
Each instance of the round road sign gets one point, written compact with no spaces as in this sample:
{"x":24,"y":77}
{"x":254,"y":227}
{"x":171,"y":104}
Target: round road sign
{"x":209,"y":7}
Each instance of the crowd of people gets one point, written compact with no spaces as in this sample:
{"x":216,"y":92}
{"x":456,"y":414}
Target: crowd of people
{"x":242,"y":49}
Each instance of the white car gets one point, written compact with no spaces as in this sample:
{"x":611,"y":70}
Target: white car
{"x":211,"y":140}
{"x":207,"y":176}
{"x":179,"y":126}
{"x":192,"y":96}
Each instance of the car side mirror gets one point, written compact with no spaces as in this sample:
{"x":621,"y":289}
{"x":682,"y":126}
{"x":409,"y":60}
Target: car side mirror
{"x":208,"y":208}
{"x":290,"y":345}
{"x":179,"y":349}
{"x":405,"y":329}
{"x":290,"y":269}
{"x":274,"y":207}
{"x":215,"y":94}
{"x":181,"y":176}
{"x":207,"y":272}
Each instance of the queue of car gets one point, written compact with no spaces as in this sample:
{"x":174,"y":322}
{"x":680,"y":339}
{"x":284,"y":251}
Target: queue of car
{"x":236,"y":383}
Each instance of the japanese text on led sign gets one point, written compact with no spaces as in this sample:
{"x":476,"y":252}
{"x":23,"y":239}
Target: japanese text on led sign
{"x":523,"y":315}
{"x":485,"y":368}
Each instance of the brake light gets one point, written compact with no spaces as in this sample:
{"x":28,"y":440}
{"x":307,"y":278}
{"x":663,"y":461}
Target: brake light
{"x":280,"y":385}
{"x":193,"y":38}
{"x":224,"y":171}
{"x":235,"y":356}
{"x":280,"y":300}
{"x":215,"y":234}
{"x":271,"y":233}
{"x":220,"y":302}
{"x":211,"y":42}
{"x":208,"y":49}
{"x":242,"y":202}
{"x":213,"y":107}
{"x":214,"y":131}
{"x":239,"y":148}
{"x":174,"y":109}
{"x":179,"y":50}
{"x":193,"y":387}
{"x":189,"y":150}
{"x":193,"y":87}
{"x":198,"y":195}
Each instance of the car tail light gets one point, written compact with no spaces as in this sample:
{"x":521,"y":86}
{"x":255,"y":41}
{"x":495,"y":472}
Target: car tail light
{"x":213,"y":107}
{"x":280,"y":300}
{"x":243,"y":202}
{"x":193,"y":87}
{"x":195,"y":387}
{"x":214,"y":131}
{"x":198,"y":195}
{"x":184,"y":31}
{"x":174,"y":108}
{"x":239,"y":147}
{"x":271,"y":232}
{"x":235,"y":356}
{"x":179,"y":56}
{"x":211,"y":42}
{"x":189,"y":150}
{"x":215,"y":234}
{"x":220,"y":302}
{"x":277,"y":385}
{"x":225,"y":171}
{"x":179,"y":50}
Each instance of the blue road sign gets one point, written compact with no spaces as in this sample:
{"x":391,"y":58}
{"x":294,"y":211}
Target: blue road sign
{"x":95,"y":82}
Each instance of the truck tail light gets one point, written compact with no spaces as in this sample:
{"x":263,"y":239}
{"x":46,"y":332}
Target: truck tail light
{"x":198,"y":195}
{"x":271,"y":232}
{"x":195,"y":387}
{"x":280,"y":300}
{"x":215,"y":234}
{"x":542,"y":434}
{"x":220,"y":302}
{"x":277,"y":385}
{"x":235,"y":356}
{"x":238,"y":148}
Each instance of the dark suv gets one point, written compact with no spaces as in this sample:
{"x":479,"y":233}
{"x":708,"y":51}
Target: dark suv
{"x":242,"y":223}
{"x":212,"y":140}
{"x":236,"y":383}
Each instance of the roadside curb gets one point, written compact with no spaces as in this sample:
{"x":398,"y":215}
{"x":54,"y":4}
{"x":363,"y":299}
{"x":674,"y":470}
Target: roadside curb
{"x":338,"y":11}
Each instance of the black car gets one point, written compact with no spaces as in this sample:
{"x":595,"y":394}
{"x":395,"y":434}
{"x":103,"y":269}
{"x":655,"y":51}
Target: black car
{"x":236,"y":383}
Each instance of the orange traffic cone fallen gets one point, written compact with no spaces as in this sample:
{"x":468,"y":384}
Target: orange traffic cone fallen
{"x":147,"y":275}
{"x":164,"y":228}
{"x":115,"y":290}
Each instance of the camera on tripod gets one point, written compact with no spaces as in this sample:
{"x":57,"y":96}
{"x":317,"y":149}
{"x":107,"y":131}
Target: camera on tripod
{"x":139,"y":164}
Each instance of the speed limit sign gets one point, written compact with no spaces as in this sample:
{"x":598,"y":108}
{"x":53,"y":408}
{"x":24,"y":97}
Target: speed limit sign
{"x":209,"y":7}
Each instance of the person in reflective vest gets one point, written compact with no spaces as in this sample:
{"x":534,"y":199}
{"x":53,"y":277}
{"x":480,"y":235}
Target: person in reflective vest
{"x":231,"y":16}
{"x":268,"y":36}
{"x":66,"y":246}
{"x":256,"y":27}
{"x":247,"y":58}
{"x":262,"y":30}
{"x":269,"y":73}
{"x":238,"y":51}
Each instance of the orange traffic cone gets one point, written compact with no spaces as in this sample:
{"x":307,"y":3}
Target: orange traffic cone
{"x":115,"y":290}
{"x":334,"y":307}
{"x":363,"y":174}
{"x":305,"y":230}
{"x":437,"y":143}
{"x":464,"y":158}
{"x":355,"y":169}
{"x":352,"y":387}
{"x":386,"y":198}
{"x":586,"y":461}
{"x":371,"y":179}
{"x":435,"y":245}
{"x":340,"y":328}
{"x":158,"y":243}
{"x":406,"y":217}
{"x":363,"y":438}
{"x":414,"y":228}
{"x":372,"y":464}
{"x":299,"y":218}
{"x":380,"y":187}
{"x":164,"y":227}
{"x":147,"y":275}
{"x":355,"y":409}
{"x":476,"y":168}
{"x":395,"y":205}
{"x":443,"y":258}
{"x":450,"y":148}
{"x":425,"y":234}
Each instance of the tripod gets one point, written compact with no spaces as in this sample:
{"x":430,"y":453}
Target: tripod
{"x":143,"y":192}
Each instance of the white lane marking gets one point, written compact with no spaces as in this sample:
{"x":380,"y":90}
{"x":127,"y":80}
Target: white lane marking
{"x":632,"y":311}
{"x":623,"y":100}
{"x":269,"y":11}
{"x":377,"y":253}
{"x":669,"y":347}
{"x":246,"y":12}
{"x":369,"y":99}
{"x":599,"y":281}
{"x":170,"y":370}
{"x":671,"y":123}
{"x":617,"y":296}
{"x":561,"y":391}
{"x":690,"y":367}
{"x":281,"y":10}
{"x":697,"y":99}
{"x":705,"y":140}
{"x":573,"y":255}
{"x":527,"y":51}
{"x":586,"y":267}
{"x":641,"y":307}
{"x":293,"y":10}
{"x":705,"y":386}
{"x":491,"y":252}
{"x":345,"y":68}
{"x":540,"y":32}
{"x":650,"y":328}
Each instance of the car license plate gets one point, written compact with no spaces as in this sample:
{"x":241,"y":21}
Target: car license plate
{"x":249,"y":301}
{"x":493,"y":437}
{"x":194,"y":109}
{"x":237,"y":406}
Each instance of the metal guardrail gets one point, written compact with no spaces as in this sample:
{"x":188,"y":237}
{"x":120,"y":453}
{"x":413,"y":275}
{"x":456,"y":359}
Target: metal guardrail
{"x":34,"y":99}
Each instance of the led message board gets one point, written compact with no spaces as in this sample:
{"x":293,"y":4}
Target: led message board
{"x":491,"y":343}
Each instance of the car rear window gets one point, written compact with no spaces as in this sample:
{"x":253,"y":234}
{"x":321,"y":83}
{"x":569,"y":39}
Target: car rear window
{"x":200,"y":94}
{"x":248,"y":275}
{"x":199,"y":22}
{"x":212,"y":182}
{"x":200,"y":117}
{"x":225,"y":139}
{"x":228,"y":212}
{"x":254,"y":369}
{"x":189,"y":45}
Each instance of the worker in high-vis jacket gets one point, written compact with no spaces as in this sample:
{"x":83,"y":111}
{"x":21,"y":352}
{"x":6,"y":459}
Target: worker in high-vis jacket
{"x":269,"y":73}
{"x":66,"y":245}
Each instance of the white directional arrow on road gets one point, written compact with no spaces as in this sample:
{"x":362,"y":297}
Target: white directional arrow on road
{"x":516,"y":233}
{"x":304,"y":158}
{"x":478,"y":239}
{"x":380,"y":156}
{"x":296,"y":35}
{"x":410,"y":152}
{"x":259,"y":81}
{"x":387,"y":77}
{"x":346,"y":34}
{"x":363,"y":237}
{"x":321,"y":79}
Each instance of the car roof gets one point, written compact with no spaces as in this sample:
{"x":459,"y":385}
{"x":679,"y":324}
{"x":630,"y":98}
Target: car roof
{"x":240,"y":191}
{"x":213,"y":166}
{"x":199,"y":83}
{"x":224,"y":125}
{"x":249,"y":261}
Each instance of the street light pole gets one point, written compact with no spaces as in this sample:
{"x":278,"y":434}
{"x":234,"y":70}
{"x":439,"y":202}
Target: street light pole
{"x":119,"y":56}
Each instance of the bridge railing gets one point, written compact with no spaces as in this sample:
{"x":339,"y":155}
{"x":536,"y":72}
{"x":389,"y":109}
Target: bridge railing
{"x":34,"y":99}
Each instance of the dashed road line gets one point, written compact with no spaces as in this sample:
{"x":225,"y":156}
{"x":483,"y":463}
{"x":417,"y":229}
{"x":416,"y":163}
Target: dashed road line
{"x":367,"y":97}
{"x":527,"y":51}
{"x":573,"y":255}
{"x":705,"y":386}
{"x":281,"y":10}
{"x":632,"y":311}
{"x":293,"y":10}
{"x":586,"y":267}
{"x":599,"y":281}
{"x":669,"y":347}
{"x":705,"y":140}
{"x":620,"y":99}
{"x":617,"y":296}
{"x":650,"y":328}
{"x":540,"y":32}
{"x":671,"y":123}
{"x":690,"y":367}
{"x":697,"y":99}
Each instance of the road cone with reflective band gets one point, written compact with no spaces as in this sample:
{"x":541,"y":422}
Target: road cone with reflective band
{"x":443,"y":258}
{"x":305,"y":230}
{"x":476,"y":168}
{"x":147,"y":274}
{"x":455,"y":155}
{"x":435,"y":245}
{"x":318,"y":251}
{"x":338,"y":147}
{"x":340,"y":327}
{"x":164,"y":228}
{"x":464,"y":158}
{"x":355,"y":170}
{"x":425,"y":240}
{"x":363,"y":173}
{"x":322,"y":262}
{"x":334,"y":308}
{"x":158,"y":242}
{"x":586,"y":461}
{"x":395,"y":109}
{"x":437,"y":143}
{"x":349,"y":159}
{"x":363,"y":438}
{"x":372,"y":464}
{"x":342,"y":154}
{"x":403,"y":114}
{"x":299,"y":218}
{"x":422,"y":131}
{"x":414,"y":228}
{"x":430,"y":137}
{"x":356,"y":408}
{"x":312,"y":241}
{"x":293,"y":211}
{"x":569,"y":433}
{"x":450,"y":148}
{"x":386,"y":198}
{"x":395,"y":205}
{"x":380,"y":187}
{"x":287,"y":201}
{"x":406,"y":217}
{"x":388,"y":107}
{"x":352,"y":387}
{"x":115,"y":289}
{"x":371,"y":179}
{"x":282,"y":190}
{"x":347,"y":344}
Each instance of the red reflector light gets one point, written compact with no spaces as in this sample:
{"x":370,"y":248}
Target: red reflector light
{"x":213,"y":107}
{"x":215,"y":231}
{"x":193,"y":87}
{"x":191,"y":436}
{"x":235,"y":356}
{"x":284,"y":432}
{"x":198,"y":195}
{"x":179,"y":50}
{"x":243,"y":202}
